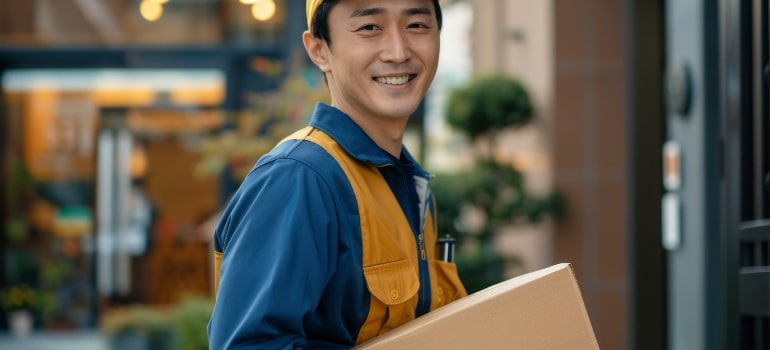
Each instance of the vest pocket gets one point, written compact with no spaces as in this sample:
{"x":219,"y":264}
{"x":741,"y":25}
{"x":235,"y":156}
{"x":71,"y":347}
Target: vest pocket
{"x":393,"y":287}
{"x":392,"y":283}
{"x":446,"y":284}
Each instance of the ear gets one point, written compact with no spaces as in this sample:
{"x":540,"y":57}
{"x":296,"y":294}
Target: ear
{"x":317,"y":50}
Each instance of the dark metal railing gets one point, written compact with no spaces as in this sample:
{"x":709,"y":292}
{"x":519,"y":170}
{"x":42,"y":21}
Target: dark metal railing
{"x":754,"y":290}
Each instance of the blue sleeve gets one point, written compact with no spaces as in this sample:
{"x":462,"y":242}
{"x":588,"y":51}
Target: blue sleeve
{"x":278,"y":238}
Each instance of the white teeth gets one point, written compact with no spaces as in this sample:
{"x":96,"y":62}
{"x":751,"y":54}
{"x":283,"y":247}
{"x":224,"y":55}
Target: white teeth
{"x":393,"y":80}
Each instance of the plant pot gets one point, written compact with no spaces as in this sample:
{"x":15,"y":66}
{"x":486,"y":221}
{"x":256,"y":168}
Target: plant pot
{"x":20,"y":323}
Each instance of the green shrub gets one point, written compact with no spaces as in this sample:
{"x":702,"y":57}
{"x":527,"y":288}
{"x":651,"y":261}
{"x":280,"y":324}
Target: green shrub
{"x":191,"y":317}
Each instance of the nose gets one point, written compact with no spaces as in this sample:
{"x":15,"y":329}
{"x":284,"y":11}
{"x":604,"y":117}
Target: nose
{"x":395,"y":47}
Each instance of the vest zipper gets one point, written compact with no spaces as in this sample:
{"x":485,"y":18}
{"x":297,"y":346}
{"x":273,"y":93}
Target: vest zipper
{"x":423,"y":305}
{"x":424,"y":299}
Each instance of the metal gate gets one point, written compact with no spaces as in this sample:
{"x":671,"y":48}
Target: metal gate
{"x":746,"y":116}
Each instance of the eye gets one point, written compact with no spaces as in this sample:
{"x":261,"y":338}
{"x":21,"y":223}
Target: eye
{"x":417,"y":25}
{"x":368,"y":27}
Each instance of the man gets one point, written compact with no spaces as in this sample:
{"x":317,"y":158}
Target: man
{"x":331,"y":239}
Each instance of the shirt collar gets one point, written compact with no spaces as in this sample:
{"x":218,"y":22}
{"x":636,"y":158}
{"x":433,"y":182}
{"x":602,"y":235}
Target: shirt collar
{"x":354,"y":140}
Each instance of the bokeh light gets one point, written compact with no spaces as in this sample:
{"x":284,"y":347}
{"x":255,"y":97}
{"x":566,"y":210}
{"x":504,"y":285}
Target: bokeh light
{"x":151,"y":10}
{"x":263,"y":10}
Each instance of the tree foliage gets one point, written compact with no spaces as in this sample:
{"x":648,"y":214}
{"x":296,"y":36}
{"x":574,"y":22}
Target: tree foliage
{"x":488,"y":103}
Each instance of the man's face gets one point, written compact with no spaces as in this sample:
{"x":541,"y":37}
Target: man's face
{"x":382,"y":58}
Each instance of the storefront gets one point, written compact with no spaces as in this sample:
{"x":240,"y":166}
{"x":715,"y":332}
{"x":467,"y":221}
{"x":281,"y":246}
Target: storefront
{"x":125,"y":126}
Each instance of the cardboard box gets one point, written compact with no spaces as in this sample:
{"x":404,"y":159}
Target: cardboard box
{"x":538,"y":310}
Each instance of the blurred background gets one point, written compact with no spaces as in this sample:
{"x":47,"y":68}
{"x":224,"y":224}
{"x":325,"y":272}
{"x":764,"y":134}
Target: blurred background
{"x":627,"y":137}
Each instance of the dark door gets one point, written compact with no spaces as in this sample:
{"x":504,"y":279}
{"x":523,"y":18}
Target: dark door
{"x":697,"y":248}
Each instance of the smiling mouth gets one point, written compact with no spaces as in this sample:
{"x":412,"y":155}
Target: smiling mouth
{"x":395,"y":80}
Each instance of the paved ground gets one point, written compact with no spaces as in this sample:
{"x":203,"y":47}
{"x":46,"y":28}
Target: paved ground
{"x":80,"y":340}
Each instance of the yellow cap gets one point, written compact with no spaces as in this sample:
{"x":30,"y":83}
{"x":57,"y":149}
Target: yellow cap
{"x":312,"y":6}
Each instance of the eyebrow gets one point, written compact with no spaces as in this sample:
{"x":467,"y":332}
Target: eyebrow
{"x":417,"y":11}
{"x":377,"y":10}
{"x":366,"y":12}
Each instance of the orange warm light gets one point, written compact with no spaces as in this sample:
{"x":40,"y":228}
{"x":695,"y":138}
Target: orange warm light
{"x":52,"y":147}
{"x":138,"y":163}
{"x":40,"y":106}
{"x":202,"y":97}
{"x":123,"y":98}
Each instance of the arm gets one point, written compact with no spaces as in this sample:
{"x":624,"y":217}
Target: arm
{"x":278,"y":237}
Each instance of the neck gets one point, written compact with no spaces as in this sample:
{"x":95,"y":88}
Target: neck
{"x":388,"y":134}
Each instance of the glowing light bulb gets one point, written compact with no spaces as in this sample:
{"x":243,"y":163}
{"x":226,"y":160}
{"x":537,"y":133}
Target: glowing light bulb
{"x":248,"y":2}
{"x":263,"y":10}
{"x":150,"y":10}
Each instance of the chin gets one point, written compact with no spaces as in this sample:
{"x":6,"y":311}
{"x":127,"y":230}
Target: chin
{"x":398,"y":113}
{"x":398,"y":108}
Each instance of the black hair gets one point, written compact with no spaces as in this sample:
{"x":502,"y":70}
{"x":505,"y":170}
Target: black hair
{"x":320,"y":23}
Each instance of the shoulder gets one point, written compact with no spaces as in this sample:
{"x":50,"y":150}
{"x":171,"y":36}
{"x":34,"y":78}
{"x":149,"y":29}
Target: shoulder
{"x":294,"y":175}
{"x":292,"y":167}
{"x":301,"y":158}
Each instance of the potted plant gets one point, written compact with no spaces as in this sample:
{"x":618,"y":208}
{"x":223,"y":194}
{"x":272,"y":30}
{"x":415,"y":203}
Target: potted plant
{"x":19,"y":302}
{"x":474,"y":205}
